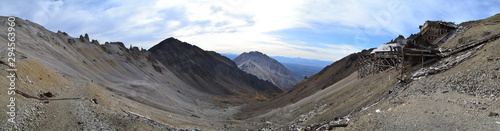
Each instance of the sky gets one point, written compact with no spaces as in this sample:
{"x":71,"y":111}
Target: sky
{"x":313,"y":29}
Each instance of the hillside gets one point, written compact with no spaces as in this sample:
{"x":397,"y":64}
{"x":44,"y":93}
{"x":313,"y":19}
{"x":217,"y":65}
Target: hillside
{"x":464,"y":97}
{"x":459,"y":91}
{"x":95,"y":86}
{"x":266,"y":68}
{"x":326,"y":77}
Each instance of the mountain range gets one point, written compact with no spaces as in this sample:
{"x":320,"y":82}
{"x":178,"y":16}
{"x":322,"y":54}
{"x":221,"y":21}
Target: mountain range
{"x":75,"y":83}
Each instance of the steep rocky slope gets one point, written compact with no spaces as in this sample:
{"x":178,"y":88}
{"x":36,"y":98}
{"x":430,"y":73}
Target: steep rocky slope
{"x":111,"y":87}
{"x":266,"y":68}
{"x":463,"y":95}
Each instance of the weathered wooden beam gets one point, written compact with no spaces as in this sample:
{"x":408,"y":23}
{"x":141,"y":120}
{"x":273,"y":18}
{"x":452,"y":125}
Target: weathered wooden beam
{"x":426,"y":55}
{"x":383,"y":65}
{"x":416,"y":50}
{"x":470,"y":45}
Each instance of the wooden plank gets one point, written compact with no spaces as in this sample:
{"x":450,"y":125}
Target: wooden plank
{"x":426,"y":55}
{"x":471,"y":45}
{"x":416,"y":50}
{"x":382,"y":65}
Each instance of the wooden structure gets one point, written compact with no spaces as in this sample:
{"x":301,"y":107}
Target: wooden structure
{"x":367,"y":66}
{"x":382,"y":58}
{"x":431,"y":34}
{"x":418,"y":49}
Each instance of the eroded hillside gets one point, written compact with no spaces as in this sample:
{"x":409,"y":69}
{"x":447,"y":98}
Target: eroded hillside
{"x":459,"y":91}
{"x":111,"y":87}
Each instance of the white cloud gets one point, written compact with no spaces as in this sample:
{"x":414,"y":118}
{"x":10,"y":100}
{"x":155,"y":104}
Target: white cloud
{"x":173,"y":24}
{"x":269,"y":44}
{"x":237,"y":26}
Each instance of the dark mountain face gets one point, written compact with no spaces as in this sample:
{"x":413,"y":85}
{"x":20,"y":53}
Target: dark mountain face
{"x":207,"y":70}
{"x":266,"y":68}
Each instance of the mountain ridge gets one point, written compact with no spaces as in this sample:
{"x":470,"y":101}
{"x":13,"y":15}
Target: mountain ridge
{"x":209,"y":66}
{"x":109,"y":84}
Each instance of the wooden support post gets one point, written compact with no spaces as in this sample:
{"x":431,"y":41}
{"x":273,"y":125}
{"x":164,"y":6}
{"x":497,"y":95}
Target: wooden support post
{"x":387,"y":62}
{"x":402,"y":64}
{"x":422,"y":59}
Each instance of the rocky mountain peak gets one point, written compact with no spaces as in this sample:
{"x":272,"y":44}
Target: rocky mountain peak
{"x":266,"y":68}
{"x":172,"y":44}
{"x":255,"y":53}
{"x":255,"y":56}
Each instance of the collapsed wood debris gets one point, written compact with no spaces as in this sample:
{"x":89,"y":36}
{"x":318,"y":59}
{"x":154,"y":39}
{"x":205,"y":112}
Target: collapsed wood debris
{"x":444,"y":65}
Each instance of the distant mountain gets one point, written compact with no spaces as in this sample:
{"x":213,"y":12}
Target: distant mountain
{"x":301,"y":71}
{"x":300,"y":67}
{"x":229,"y":55}
{"x":207,"y":70}
{"x":302,"y":61}
{"x":266,"y":68}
